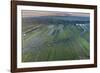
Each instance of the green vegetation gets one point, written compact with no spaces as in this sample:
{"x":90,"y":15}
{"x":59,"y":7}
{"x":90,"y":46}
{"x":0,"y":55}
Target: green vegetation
{"x":52,"y":42}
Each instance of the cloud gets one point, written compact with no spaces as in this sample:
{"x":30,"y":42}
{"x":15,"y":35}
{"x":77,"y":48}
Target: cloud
{"x":33,"y":13}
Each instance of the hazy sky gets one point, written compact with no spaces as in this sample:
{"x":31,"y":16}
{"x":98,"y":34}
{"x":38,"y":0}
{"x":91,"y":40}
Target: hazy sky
{"x":32,"y":13}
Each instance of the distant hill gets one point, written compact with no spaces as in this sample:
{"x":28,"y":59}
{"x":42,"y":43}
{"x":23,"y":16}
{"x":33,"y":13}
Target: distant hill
{"x":57,"y":19}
